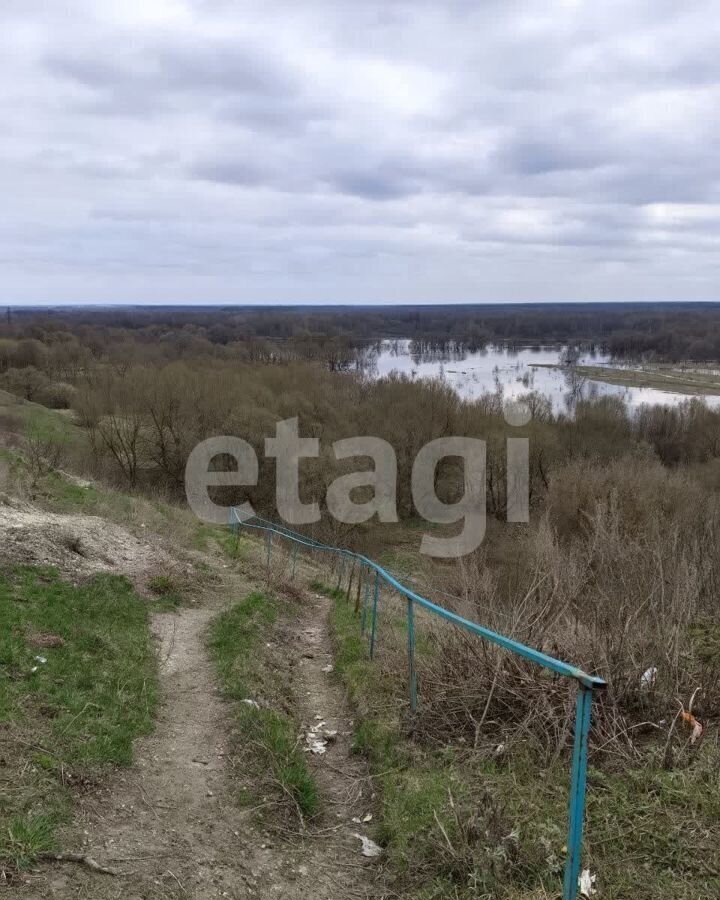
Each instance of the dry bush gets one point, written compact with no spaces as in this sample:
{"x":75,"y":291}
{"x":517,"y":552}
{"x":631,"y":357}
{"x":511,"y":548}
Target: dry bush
{"x":26,"y":382}
{"x":619,"y":577}
{"x":45,"y":446}
{"x":56,"y":395}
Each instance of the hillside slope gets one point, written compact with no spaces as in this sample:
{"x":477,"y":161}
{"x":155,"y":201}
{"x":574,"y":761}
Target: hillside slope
{"x":190,"y":817}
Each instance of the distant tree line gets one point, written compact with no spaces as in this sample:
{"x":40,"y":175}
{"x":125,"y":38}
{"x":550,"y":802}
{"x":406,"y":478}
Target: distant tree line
{"x":337,"y":335}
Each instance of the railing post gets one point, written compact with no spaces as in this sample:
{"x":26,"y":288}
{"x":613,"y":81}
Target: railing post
{"x":578,"y":783}
{"x":361,"y":579}
{"x":235,"y":528}
{"x":411,"y":655}
{"x":350,"y":582}
{"x":586,"y":684}
{"x":366,"y":599}
{"x":374,"y":616}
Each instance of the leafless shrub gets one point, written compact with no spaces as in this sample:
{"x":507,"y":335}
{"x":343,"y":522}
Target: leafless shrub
{"x":45,"y":446}
{"x":620,"y":577}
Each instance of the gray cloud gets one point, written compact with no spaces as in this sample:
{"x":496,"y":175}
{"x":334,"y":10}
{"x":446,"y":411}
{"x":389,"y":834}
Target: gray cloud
{"x":424,"y":150}
{"x":373,"y":184}
{"x":162,"y":74}
{"x":233,"y":172}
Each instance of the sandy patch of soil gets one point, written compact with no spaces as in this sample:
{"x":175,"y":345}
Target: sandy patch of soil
{"x":77,"y":546}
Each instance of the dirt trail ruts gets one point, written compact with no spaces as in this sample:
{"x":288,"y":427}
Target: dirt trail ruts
{"x":170,"y":823}
{"x":340,"y":775}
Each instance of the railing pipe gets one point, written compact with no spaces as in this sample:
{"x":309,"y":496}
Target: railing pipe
{"x":586,"y":683}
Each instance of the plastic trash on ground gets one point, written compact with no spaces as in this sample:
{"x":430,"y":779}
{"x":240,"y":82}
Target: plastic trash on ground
{"x":369,"y":848}
{"x":586,"y":883}
{"x":648,"y":678}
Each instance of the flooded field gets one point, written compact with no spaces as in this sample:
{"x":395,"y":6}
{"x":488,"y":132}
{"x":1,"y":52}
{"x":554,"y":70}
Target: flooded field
{"x":518,"y":370}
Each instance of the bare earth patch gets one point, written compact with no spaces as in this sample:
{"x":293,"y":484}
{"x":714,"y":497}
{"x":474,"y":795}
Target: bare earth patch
{"x":76,"y":545}
{"x":171,"y":826}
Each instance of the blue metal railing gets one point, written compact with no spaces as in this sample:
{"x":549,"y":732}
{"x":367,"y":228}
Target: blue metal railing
{"x":586,"y":684}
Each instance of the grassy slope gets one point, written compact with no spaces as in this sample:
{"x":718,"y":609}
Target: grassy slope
{"x":452,"y":824}
{"x":68,"y":718}
{"x":456,"y":825}
{"x":268,"y":736}
{"x":79,"y":713}
{"x":59,"y":493}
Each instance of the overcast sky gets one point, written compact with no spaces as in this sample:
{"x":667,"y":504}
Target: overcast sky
{"x":359,"y":150}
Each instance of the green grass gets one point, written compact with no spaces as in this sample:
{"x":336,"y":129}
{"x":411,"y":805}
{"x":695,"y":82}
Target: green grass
{"x":167,"y":592}
{"x":59,"y":493}
{"x":69,"y":711}
{"x":415,"y":789}
{"x":26,"y":838}
{"x":270,"y":737}
{"x":335,"y":593}
{"x":458,"y":824}
{"x":27,"y":412}
{"x":423,"y":797}
{"x":72,"y":497}
{"x":232,"y":544}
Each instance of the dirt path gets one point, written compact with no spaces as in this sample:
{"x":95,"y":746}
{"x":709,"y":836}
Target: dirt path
{"x":170,"y":824}
{"x":342,"y":777}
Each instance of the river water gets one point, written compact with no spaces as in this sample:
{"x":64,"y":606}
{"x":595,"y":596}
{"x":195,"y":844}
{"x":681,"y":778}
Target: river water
{"x":514,"y":370}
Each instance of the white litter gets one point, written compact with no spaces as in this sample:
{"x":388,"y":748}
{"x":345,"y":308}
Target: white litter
{"x":40,"y":659}
{"x":358,"y":821}
{"x":369,"y":848}
{"x":648,"y":678}
{"x":253,"y":703}
{"x":586,"y":883}
{"x":327,"y":668}
{"x":314,"y":739}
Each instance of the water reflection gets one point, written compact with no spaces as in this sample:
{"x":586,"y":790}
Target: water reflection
{"x":511,"y":371}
